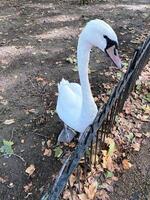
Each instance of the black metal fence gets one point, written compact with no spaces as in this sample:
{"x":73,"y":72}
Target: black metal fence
{"x":94,"y":136}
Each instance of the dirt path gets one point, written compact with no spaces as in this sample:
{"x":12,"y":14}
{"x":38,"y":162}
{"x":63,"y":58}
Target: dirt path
{"x":36,"y":37}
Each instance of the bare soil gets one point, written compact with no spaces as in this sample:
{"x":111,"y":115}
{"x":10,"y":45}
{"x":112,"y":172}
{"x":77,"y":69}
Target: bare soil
{"x":36,"y":37}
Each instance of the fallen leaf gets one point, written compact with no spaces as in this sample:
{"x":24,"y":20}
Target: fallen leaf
{"x":75,"y":69}
{"x":147,"y":97}
{"x":72,"y":179}
{"x":91,"y":71}
{"x":146,"y":109}
{"x":119,"y":74}
{"x":39,"y":79}
{"x":139,"y":135}
{"x":4,"y":102}
{"x":130,"y":137}
{"x":126,"y":164}
{"x":32,"y":110}
{"x":2,"y":180}
{"x":71,"y":144}
{"x":114,"y":178}
{"x":109,"y":174}
{"x":58,"y":152}
{"x":47,"y":152}
{"x":107,"y":161}
{"x":6,"y":148}
{"x":147,"y":134}
{"x":112,"y":146}
{"x":30,"y":169}
{"x":104,"y":163}
{"x":91,"y":190}
{"x":66,"y":194}
{"x":82,"y":196}
{"x":27,"y":187}
{"x":71,"y":60}
{"x":48,"y":143}
{"x":103,"y":195}
{"x":9,"y":121}
{"x":136,"y":146}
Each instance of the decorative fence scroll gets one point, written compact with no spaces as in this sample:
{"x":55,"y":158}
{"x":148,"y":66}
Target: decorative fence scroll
{"x":95,"y":134}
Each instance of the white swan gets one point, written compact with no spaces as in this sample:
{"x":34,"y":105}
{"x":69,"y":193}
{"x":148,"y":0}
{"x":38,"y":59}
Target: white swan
{"x":75,"y":104}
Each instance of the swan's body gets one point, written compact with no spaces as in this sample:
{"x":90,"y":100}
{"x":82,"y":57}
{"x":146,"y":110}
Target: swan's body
{"x":70,"y":102}
{"x":75,"y":104}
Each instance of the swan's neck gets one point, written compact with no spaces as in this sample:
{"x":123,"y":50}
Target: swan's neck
{"x":83,"y":55}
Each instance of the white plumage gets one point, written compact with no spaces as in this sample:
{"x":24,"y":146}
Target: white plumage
{"x":69,"y":106}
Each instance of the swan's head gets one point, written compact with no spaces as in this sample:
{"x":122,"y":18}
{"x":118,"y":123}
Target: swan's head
{"x":98,"y":33}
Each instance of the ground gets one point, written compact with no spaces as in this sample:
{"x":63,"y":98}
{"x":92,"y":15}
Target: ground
{"x":36,"y":38}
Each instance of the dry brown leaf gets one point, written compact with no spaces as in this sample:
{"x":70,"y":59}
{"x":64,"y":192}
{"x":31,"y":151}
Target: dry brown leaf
{"x":139,"y":135}
{"x":103,"y":195}
{"x":147,"y":134}
{"x":48,"y":143}
{"x":110,"y":165}
{"x":66,"y":194}
{"x":146,"y":109}
{"x":47,"y":152}
{"x":27,"y":187}
{"x":82,"y":196}
{"x":9,"y":121}
{"x":72,"y":144}
{"x":114,"y":178}
{"x":104,"y":163}
{"x":91,"y":190}
{"x":127,"y":107}
{"x":126,"y":164}
{"x":39,"y":79}
{"x":107,"y":161}
{"x":32,"y":110}
{"x":136,"y":146}
{"x":72,"y":179}
{"x":30,"y":169}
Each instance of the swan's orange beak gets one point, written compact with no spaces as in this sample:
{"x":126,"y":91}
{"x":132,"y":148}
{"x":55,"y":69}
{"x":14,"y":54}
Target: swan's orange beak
{"x":112,"y":52}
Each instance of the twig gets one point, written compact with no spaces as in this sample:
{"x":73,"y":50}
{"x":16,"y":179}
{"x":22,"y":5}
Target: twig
{"x":46,"y":137}
{"x":28,"y":195}
{"x":12,"y":134}
{"x":3,"y":109}
{"x":19,"y":157}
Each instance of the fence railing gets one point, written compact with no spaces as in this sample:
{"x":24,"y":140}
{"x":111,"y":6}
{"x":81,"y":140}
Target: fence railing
{"x":94,"y":136}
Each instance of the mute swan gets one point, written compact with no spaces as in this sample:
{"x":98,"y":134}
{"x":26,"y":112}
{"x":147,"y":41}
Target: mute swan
{"x":75,"y":103}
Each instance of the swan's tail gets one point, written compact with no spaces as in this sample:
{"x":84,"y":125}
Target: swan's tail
{"x":62,"y":83}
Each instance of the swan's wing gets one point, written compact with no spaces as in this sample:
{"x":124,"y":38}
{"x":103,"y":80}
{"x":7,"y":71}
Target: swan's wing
{"x":76,"y":88}
{"x":69,"y":101}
